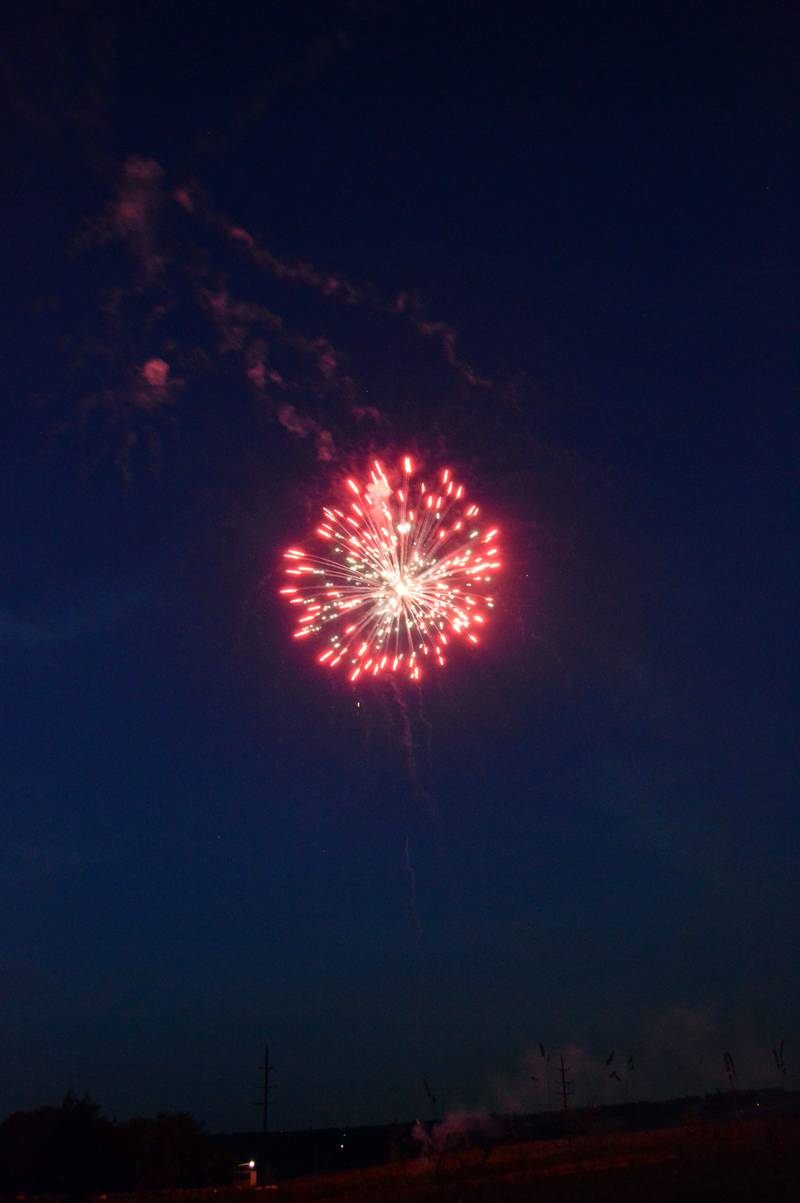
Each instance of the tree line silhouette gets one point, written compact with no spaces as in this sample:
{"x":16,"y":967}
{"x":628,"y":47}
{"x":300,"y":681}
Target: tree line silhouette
{"x":75,"y":1150}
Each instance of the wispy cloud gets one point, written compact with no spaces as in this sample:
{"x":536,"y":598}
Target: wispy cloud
{"x":305,"y":426}
{"x":133,"y":215}
{"x":336,"y":285}
{"x":676,"y":1050}
{"x":26,"y":860}
{"x":181,"y":315}
{"x":20,"y":631}
{"x":84,"y":616}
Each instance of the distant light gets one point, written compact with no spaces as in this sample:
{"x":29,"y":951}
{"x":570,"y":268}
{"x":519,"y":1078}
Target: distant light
{"x":252,"y":1165}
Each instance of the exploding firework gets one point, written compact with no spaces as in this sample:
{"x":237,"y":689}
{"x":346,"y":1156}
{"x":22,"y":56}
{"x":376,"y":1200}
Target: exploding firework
{"x":405,"y":571}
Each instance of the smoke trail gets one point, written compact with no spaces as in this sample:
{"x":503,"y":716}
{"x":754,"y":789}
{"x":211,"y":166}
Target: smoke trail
{"x":169,"y":319}
{"x":406,"y":735}
{"x":418,"y":968}
{"x":334,"y":285}
{"x":412,"y":901}
{"x":409,"y":747}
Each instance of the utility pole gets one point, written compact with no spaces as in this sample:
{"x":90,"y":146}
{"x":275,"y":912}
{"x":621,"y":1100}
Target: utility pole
{"x":566,"y":1087}
{"x":566,"y":1095}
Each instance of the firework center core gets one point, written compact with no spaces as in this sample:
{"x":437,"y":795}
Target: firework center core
{"x":400,"y":585}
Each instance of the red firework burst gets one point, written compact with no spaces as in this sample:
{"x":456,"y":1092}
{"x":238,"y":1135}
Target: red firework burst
{"x":405,"y":571}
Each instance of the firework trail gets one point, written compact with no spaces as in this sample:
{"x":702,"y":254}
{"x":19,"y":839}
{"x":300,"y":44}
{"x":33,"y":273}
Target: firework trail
{"x":404,"y":573}
{"x":406,"y":735}
{"x":400,"y":572}
{"x":331,"y":285}
{"x":412,"y":898}
{"x":419,"y":992}
{"x":405,"y":713}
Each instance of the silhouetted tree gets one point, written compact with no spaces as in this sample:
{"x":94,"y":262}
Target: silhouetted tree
{"x":76,"y":1151}
{"x":65,"y":1150}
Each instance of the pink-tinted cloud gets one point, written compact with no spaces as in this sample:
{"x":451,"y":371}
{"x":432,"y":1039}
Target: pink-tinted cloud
{"x":236,"y":321}
{"x":240,"y":325}
{"x":327,"y":363}
{"x":153,"y":386}
{"x":364,"y":412}
{"x":156,"y":373}
{"x":676,"y":1051}
{"x":277,"y":361}
{"x":290,"y":419}
{"x":591,"y":1078}
{"x":446,"y":336}
{"x":133,"y":215}
{"x":303,"y":426}
{"x":240,"y":235}
{"x":326,"y":448}
{"x":329,"y":284}
{"x":458,"y":1131}
{"x":183,"y":197}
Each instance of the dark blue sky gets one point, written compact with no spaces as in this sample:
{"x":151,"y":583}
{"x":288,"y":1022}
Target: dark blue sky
{"x":205,"y":841}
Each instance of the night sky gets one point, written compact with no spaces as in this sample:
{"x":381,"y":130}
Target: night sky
{"x":246,"y":250}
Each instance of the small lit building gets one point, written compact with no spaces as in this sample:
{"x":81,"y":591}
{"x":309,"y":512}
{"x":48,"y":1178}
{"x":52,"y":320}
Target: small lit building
{"x":245,"y":1174}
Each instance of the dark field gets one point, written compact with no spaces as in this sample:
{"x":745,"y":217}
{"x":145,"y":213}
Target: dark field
{"x":713,"y":1163}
